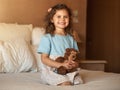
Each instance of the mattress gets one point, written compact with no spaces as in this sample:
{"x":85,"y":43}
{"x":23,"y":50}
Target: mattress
{"x":93,"y":80}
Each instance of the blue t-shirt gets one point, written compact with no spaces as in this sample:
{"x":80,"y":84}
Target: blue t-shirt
{"x":56,"y":45}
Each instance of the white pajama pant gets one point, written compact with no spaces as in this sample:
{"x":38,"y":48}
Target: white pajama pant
{"x":52,"y":78}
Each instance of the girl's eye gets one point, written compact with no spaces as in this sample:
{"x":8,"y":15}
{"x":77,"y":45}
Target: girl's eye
{"x":58,"y":16}
{"x":65,"y":16}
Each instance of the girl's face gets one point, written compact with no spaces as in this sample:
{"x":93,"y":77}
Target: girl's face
{"x":60,"y":19}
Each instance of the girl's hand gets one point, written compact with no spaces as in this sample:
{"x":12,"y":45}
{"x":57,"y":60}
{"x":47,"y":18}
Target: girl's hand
{"x":74,"y":64}
{"x":67,"y":65}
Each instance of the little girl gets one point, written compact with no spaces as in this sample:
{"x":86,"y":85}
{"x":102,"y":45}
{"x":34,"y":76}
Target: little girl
{"x":58,"y":37}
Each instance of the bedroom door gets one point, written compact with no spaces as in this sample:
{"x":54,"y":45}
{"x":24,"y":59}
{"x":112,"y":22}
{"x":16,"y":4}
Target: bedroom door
{"x":103,"y":32}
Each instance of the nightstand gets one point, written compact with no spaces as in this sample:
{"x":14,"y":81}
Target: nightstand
{"x":98,"y":65}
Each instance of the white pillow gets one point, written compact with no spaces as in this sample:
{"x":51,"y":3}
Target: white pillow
{"x":37,"y":57}
{"x":1,"y":58}
{"x":16,"y":56}
{"x":37,"y":33}
{"x":11,"y":31}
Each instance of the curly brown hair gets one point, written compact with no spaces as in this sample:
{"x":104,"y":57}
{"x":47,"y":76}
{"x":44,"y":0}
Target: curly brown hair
{"x":49,"y":26}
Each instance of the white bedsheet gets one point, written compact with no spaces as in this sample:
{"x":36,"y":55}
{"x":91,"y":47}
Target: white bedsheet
{"x":93,"y":80}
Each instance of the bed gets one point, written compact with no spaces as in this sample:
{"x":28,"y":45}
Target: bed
{"x":19,"y":63}
{"x":93,"y":80}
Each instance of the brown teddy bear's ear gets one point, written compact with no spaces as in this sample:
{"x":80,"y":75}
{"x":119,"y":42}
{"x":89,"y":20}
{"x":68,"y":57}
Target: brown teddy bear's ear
{"x":67,"y":53}
{"x":70,"y":49}
{"x":67,"y":49}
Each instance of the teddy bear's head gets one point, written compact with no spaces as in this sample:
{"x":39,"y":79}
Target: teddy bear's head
{"x":72,"y":54}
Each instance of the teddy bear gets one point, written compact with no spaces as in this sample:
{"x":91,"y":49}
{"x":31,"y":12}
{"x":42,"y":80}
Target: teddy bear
{"x":70,"y":54}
